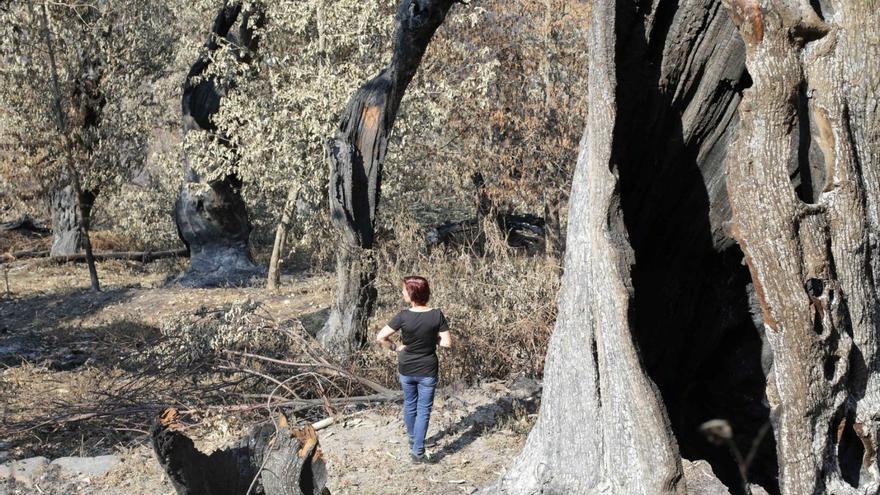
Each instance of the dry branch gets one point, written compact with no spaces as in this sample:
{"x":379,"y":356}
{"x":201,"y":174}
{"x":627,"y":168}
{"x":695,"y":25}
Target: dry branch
{"x":142,"y":256}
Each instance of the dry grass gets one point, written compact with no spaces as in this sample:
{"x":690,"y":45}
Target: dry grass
{"x":501,"y":306}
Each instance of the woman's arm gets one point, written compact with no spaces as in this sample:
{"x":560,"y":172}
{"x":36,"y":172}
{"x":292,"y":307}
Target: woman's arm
{"x":445,"y":339}
{"x":384,"y":339}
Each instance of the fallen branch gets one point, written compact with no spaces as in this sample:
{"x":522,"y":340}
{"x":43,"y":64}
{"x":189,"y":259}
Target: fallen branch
{"x":326,"y":368}
{"x":142,"y":256}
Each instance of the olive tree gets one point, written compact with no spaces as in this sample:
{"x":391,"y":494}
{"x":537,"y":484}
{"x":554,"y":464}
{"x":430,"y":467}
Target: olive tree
{"x":86,"y":115}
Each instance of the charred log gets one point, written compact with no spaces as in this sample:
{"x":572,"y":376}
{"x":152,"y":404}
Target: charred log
{"x":356,"y":153}
{"x":526,"y":232}
{"x":211,"y":216}
{"x":271,"y":460}
{"x":26,"y":225}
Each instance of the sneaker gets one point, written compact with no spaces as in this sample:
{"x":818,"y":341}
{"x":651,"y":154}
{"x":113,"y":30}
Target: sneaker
{"x":421,"y":459}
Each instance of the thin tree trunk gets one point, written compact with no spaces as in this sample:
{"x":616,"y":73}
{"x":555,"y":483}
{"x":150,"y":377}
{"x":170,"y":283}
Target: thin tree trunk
{"x":552,"y":224}
{"x":281,"y":237}
{"x":356,"y":153}
{"x":814,"y":264}
{"x":82,"y":210}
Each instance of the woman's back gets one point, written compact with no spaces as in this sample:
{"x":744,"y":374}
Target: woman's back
{"x":419,"y":333}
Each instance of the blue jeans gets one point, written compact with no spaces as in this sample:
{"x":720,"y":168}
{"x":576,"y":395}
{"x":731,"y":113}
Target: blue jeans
{"x":418,"y":398}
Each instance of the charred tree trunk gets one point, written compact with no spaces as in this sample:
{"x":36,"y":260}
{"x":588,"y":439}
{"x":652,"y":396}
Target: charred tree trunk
{"x":211,"y":216}
{"x":356,"y":152}
{"x":686,"y":159}
{"x":655,"y":334}
{"x":271,"y":459}
{"x":814,"y":259}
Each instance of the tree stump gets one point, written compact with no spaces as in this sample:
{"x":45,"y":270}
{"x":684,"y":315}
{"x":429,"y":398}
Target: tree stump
{"x":270,"y":460}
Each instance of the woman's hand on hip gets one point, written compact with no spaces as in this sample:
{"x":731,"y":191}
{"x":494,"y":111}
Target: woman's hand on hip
{"x":401,"y":348}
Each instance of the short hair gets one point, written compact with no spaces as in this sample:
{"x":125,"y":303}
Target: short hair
{"x":418,"y":289}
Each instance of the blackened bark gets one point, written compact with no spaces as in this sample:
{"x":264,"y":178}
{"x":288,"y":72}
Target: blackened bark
{"x":270,"y":459}
{"x":211,"y":216}
{"x":356,"y":152}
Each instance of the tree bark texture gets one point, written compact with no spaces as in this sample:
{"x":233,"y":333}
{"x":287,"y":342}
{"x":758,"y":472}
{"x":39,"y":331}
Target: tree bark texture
{"x":211,"y":216}
{"x":356,"y":152}
{"x":66,"y":237}
{"x":271,"y":460}
{"x":814,"y":258}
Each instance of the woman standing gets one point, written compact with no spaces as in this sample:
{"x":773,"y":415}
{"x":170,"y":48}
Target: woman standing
{"x":422,"y":329}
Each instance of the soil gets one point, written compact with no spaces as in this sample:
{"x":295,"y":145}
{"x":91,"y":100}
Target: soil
{"x":60,"y":343}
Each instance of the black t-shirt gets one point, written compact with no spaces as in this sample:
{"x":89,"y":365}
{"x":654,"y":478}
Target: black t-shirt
{"x":418,"y":331}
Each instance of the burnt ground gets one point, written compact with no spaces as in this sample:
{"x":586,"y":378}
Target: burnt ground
{"x":61,"y":344}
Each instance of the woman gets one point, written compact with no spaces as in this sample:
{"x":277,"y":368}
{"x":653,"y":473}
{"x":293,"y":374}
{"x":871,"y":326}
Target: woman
{"x":422,"y":329}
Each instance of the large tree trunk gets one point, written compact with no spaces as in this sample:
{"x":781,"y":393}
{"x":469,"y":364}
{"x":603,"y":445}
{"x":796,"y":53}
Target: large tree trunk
{"x":665,"y":146}
{"x":602,"y":425}
{"x":652,"y":283}
{"x":814,"y":259}
{"x":211,"y":216}
{"x":356,"y":152}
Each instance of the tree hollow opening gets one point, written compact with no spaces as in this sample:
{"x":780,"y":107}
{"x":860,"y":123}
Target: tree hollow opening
{"x":699,"y":337}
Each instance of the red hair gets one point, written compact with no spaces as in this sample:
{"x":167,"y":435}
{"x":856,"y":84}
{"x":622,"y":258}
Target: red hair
{"x":418,"y":289}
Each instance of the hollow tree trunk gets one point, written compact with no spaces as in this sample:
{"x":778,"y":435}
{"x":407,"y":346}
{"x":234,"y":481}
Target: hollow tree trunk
{"x":211,"y":216}
{"x":271,"y":459}
{"x":814,"y":263}
{"x":356,"y":152}
{"x":653,"y":282}
{"x":602,"y":424}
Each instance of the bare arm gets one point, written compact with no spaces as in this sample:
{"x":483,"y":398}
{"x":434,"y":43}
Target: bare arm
{"x":384,"y":339}
{"x":445,"y":339}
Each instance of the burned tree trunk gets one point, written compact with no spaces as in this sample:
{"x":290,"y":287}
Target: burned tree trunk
{"x":690,"y":166}
{"x":356,"y":152}
{"x":271,"y":459}
{"x":814,"y":259}
{"x":211,"y":216}
{"x":653,"y":284}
